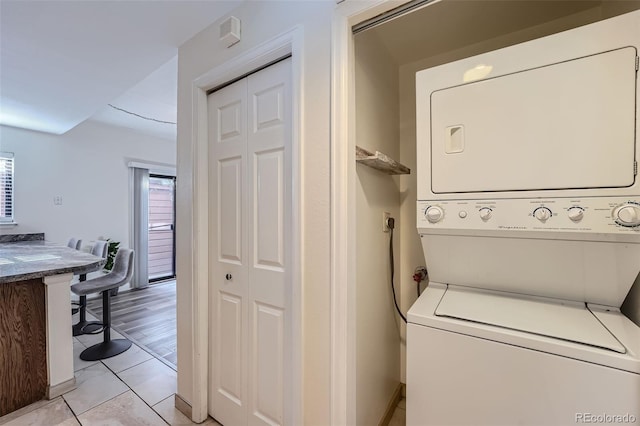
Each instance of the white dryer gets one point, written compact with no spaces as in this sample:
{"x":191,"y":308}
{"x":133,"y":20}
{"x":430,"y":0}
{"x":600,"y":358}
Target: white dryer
{"x":529,"y":214}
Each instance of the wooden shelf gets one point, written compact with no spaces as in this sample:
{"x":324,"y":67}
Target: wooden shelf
{"x":381,"y":162}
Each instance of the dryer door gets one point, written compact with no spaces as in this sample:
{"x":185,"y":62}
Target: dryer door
{"x":568,"y":125}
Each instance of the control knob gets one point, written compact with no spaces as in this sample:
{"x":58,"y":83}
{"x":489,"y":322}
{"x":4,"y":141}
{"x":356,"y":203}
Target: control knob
{"x":434,"y":214}
{"x":627,"y":214}
{"x":485,"y":213}
{"x":542,"y":214}
{"x":576,"y":213}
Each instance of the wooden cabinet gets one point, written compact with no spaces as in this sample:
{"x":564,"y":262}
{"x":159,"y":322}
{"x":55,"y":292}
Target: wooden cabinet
{"x":23,"y":359}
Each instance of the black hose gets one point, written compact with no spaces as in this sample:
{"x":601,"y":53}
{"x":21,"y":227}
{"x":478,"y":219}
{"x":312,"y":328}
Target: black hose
{"x":393,"y":288}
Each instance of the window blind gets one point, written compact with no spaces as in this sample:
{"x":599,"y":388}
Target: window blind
{"x":6,"y":187}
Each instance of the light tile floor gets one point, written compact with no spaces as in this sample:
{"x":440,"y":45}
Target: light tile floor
{"x":130,"y":389}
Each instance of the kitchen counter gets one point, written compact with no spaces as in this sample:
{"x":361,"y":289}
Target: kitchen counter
{"x":36,"y":346}
{"x":36,"y":259}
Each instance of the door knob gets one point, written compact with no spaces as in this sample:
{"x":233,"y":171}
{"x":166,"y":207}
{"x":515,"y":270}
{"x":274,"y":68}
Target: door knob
{"x":228,"y":277}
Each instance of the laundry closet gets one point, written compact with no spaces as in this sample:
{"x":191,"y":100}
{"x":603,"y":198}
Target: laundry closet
{"x":388,"y":51}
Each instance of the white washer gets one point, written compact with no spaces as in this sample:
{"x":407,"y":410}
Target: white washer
{"x":464,"y":371}
{"x":529,"y":214}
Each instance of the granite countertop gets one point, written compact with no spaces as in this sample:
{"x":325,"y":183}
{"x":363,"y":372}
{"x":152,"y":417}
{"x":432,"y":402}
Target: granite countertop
{"x":27,"y":260}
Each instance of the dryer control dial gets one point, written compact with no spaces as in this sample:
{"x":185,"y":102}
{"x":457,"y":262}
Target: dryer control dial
{"x":485,"y":213}
{"x":575,"y":213}
{"x":627,"y":214}
{"x":434,"y":214}
{"x":542,"y":214}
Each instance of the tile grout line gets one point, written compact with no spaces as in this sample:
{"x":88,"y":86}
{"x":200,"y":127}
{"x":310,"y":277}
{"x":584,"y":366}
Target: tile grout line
{"x":148,"y":350}
{"x":77,"y":416}
{"x":110,"y":399}
{"x":135,"y":393}
{"x":88,"y":366}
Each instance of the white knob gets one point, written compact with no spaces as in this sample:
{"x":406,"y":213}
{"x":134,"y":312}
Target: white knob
{"x":485,"y":213}
{"x":434,"y":214}
{"x":628,"y":214}
{"x":576,"y":214}
{"x":542,"y":214}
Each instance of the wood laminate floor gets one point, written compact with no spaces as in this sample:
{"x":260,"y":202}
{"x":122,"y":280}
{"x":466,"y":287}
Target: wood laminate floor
{"x":147,"y":317}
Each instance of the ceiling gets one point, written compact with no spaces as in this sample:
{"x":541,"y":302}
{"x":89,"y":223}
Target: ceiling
{"x":154,"y":98}
{"x":62,"y":62}
{"x":449,"y":25}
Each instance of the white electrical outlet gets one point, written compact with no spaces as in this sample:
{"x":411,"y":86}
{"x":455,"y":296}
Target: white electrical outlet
{"x":385,"y":217}
{"x":57,"y":200}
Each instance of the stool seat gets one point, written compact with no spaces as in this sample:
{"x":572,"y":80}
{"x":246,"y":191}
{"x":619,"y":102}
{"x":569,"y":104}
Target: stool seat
{"x":99,"y":284}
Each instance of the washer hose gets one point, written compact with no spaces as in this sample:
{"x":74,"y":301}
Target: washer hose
{"x":391,"y":223}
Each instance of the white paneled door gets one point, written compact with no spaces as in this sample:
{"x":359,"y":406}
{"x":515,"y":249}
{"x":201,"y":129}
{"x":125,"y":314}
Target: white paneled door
{"x":250,"y":226}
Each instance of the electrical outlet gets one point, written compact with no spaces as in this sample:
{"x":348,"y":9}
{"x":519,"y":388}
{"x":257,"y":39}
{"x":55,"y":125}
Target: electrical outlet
{"x":57,"y":200}
{"x":385,"y":217}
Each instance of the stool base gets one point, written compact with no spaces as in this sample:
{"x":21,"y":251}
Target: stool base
{"x":105,"y":350}
{"x":86,"y":327}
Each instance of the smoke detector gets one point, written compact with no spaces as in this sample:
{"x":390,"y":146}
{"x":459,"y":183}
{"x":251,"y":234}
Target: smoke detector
{"x":230,"y":31}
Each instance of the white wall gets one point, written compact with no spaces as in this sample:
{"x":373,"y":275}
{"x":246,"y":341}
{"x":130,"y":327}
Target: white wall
{"x":631,"y":305}
{"x":87,"y":166}
{"x":377,"y":324}
{"x":262,"y":21}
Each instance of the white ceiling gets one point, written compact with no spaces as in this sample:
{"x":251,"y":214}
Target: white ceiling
{"x":154,"y":98}
{"x":453,"y":24}
{"x":62,"y":62}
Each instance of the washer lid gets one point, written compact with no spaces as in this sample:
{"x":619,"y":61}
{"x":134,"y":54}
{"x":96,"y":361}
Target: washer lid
{"x":566,"y":320}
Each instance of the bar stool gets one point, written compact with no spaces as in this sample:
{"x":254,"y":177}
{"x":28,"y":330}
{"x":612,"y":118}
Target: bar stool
{"x":83,"y":326}
{"x":120,"y":274}
{"x":74,"y":243}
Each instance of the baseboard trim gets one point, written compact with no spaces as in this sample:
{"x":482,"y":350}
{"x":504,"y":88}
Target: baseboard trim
{"x":183,"y":406}
{"x":59,"y":389}
{"x":24,"y":410}
{"x":391,"y":406}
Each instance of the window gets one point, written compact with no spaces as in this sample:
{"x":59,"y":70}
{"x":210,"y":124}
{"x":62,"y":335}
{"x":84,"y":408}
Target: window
{"x":6,"y":187}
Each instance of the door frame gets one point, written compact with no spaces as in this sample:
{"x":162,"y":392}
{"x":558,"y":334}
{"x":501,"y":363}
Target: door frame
{"x":343,"y":211}
{"x":173,"y":260}
{"x":289,"y":43}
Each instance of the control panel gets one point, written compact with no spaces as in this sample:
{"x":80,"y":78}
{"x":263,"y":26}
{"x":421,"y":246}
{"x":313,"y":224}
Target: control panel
{"x":601,"y":214}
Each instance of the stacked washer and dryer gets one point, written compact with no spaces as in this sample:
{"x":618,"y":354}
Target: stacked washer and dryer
{"x":529,"y":215}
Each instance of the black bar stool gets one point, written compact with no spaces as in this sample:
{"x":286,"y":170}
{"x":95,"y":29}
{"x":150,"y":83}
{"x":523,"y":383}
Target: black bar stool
{"x":119,"y":275}
{"x":83,"y":326}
